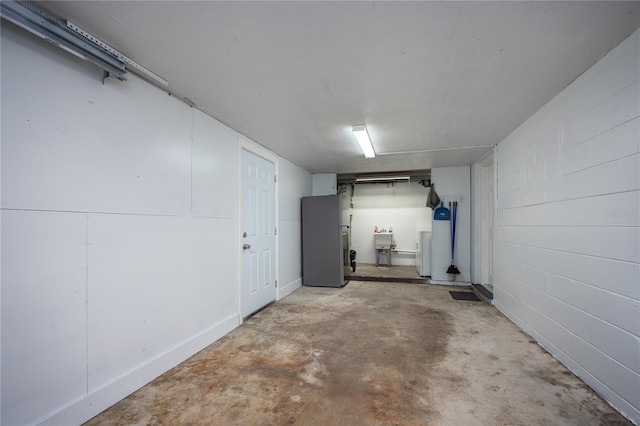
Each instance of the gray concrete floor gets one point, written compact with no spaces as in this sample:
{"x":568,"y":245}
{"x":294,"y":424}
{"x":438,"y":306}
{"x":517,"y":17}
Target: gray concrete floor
{"x":368,"y":354}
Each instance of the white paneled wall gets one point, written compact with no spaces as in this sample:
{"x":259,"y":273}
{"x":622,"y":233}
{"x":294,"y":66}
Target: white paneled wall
{"x":295,"y":184}
{"x":401,"y":206}
{"x":567,"y":241}
{"x":119,"y":233}
{"x":43,"y":312}
{"x":163,"y":287}
{"x":213,"y":186}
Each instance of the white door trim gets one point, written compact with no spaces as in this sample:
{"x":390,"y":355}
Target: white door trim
{"x":245,"y":144}
{"x":481,"y":216}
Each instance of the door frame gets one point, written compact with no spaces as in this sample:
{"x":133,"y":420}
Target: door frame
{"x":483,"y":188}
{"x":247,"y":145}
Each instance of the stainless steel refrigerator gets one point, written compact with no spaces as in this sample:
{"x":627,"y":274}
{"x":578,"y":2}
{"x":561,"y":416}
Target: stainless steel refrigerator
{"x":323,"y":242}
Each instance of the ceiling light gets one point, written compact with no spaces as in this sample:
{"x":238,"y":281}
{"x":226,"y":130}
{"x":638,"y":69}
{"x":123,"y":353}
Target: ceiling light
{"x":382,"y":178}
{"x":363,"y":139}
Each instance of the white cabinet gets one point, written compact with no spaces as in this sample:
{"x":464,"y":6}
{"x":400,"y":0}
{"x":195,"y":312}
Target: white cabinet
{"x":423,"y":253}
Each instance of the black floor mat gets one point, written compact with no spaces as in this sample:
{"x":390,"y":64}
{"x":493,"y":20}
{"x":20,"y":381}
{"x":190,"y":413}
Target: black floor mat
{"x":464,"y":295}
{"x":483,"y":290}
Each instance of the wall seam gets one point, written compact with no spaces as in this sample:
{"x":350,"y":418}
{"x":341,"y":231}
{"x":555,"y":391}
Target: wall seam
{"x":595,"y":136}
{"x":112,"y":213}
{"x":572,"y":279}
{"x":573,"y":199}
{"x":191,"y":165}
{"x":589,"y":167}
{"x":568,"y":304}
{"x":570,"y":332}
{"x":86,"y":294}
{"x":565,"y":226}
{"x":601,"y":102}
{"x":569,"y":252}
{"x":520,"y":323}
{"x":578,"y":84}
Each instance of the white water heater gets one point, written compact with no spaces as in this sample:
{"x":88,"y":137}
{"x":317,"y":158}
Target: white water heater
{"x":423,"y":253}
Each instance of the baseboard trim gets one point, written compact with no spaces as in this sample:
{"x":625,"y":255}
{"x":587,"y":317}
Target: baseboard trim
{"x":81,"y":410}
{"x":289,"y":288}
{"x":453,"y":283}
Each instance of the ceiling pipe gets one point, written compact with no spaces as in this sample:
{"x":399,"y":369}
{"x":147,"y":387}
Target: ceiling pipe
{"x":455,"y":148}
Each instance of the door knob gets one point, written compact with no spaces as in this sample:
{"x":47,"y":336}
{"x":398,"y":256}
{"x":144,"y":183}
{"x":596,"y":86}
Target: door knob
{"x":246,"y":246}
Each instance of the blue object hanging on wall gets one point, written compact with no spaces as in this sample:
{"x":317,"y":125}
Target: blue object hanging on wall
{"x":441,"y":213}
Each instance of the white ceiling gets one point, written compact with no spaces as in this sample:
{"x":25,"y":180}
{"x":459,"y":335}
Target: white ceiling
{"x":294,"y":76}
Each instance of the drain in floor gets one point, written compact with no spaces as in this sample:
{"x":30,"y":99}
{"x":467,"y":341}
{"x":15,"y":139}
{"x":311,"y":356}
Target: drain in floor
{"x":464,"y":295}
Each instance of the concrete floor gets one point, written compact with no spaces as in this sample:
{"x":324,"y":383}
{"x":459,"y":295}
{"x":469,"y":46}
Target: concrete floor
{"x":368,"y":354}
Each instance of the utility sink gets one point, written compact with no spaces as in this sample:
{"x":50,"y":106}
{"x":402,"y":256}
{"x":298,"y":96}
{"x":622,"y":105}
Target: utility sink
{"x":383,"y":241}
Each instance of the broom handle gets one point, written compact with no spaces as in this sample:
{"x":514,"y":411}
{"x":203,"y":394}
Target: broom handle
{"x":455,"y":223}
{"x":451,"y":231}
{"x":454,"y":215}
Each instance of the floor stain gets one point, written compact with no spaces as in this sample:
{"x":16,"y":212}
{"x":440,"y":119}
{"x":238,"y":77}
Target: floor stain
{"x":366,"y":354}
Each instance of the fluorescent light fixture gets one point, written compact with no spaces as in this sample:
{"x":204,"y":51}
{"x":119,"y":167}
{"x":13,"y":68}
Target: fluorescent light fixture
{"x":363,"y":139}
{"x":382,"y":178}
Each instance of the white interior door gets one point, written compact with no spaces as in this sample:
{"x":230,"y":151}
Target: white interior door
{"x":258,"y":232}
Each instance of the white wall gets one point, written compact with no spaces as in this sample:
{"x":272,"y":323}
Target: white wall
{"x":294,"y":183}
{"x":324,"y":184}
{"x":119,"y":233}
{"x":401,"y":206}
{"x":567,"y":243}
{"x":452,"y":184}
